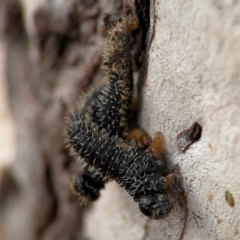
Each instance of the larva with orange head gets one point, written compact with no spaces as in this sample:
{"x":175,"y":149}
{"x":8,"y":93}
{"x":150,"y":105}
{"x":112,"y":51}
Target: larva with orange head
{"x":96,"y":127}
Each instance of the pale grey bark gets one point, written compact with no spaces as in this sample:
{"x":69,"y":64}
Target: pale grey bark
{"x":192,"y":75}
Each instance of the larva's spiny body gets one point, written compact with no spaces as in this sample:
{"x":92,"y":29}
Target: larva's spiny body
{"x":109,"y":103}
{"x":96,"y":127}
{"x":113,"y":110}
{"x":87,"y":186}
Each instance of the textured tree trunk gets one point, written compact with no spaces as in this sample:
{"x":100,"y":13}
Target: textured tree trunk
{"x":191,"y":74}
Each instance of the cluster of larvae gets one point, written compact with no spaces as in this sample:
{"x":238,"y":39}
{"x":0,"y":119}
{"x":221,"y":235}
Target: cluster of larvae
{"x":99,"y":132}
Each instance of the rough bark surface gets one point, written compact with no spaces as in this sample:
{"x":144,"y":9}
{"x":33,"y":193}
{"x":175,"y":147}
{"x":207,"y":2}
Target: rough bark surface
{"x":192,"y":75}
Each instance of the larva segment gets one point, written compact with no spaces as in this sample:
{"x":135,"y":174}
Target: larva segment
{"x":87,"y":186}
{"x":116,"y":53}
{"x":98,"y":124}
{"x":157,"y":145}
{"x":113,"y":110}
{"x":140,"y":136}
{"x":109,"y":104}
{"x":134,"y":169}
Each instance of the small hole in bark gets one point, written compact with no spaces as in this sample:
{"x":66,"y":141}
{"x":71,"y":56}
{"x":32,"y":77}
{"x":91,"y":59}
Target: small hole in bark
{"x":189,"y":136}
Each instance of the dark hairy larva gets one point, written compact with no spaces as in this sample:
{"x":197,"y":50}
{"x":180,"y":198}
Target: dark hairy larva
{"x":101,"y":118}
{"x":87,"y":186}
{"x":111,"y":103}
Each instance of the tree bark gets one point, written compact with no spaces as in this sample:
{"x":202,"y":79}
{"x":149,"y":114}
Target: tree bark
{"x":190,"y":75}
